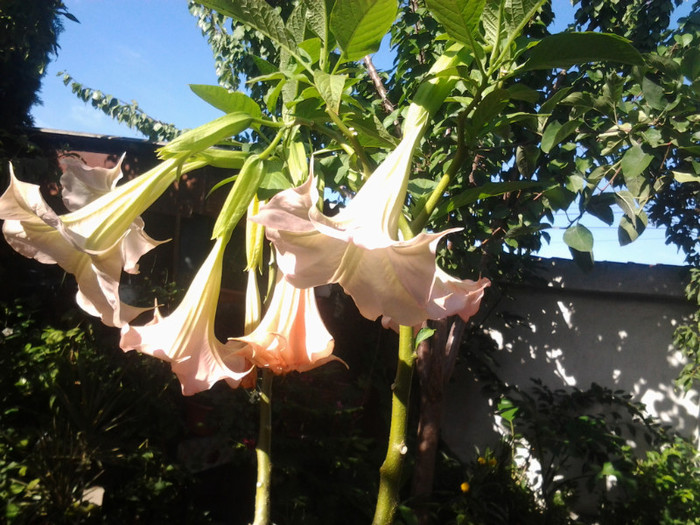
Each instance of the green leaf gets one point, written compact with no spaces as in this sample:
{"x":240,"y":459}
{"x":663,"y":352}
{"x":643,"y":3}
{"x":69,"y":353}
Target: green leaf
{"x":207,"y":135}
{"x":317,"y":17}
{"x":583,"y":260}
{"x":631,"y":227}
{"x":625,"y":200}
{"x":653,"y":94}
{"x":555,"y":132}
{"x":690,"y":63}
{"x":239,"y":197}
{"x":423,"y":334}
{"x":526,"y":159}
{"x":549,"y":104}
{"x":600,"y":206}
{"x":520,"y":91}
{"x":507,"y":410}
{"x":226,"y":101}
{"x":579,"y":238}
{"x":331,"y":88}
{"x":360,"y":25}
{"x":564,"y":50}
{"x":459,"y":17}
{"x":370,"y":131}
{"x":296,"y":23}
{"x":257,"y":14}
{"x":634,"y":162}
{"x":491,"y":105}
{"x":312,"y":49}
{"x":515,"y":16}
{"x":273,"y":181}
{"x":682,"y":177}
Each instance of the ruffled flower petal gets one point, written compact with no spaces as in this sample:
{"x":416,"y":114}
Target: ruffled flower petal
{"x":186,"y":339}
{"x":82,"y":184}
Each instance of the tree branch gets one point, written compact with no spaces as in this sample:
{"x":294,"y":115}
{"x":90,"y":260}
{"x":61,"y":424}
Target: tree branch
{"x":378,"y":84}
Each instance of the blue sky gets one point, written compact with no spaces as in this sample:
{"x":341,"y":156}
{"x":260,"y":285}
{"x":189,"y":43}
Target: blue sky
{"x":151,"y":50}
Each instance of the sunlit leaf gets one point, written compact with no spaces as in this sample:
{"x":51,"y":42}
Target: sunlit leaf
{"x":459,"y":17}
{"x":682,"y":177}
{"x":634,"y":162}
{"x":257,"y":14}
{"x":228,"y":102}
{"x":360,"y":25}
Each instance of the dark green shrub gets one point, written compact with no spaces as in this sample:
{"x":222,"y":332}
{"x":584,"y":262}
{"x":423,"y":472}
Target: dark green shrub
{"x":79,"y":415}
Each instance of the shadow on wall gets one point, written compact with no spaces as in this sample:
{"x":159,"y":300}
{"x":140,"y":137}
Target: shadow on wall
{"x":612,"y":327}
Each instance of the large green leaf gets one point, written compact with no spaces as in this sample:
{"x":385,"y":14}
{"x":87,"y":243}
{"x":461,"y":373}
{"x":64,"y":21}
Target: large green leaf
{"x":257,"y":14}
{"x":682,"y":177}
{"x":579,"y":238}
{"x":491,"y":105}
{"x":600,"y":206}
{"x":564,"y":50}
{"x":634,"y":162}
{"x":360,"y":25}
{"x":296,"y":23}
{"x":459,"y":17}
{"x":228,"y":102}
{"x":625,"y":200}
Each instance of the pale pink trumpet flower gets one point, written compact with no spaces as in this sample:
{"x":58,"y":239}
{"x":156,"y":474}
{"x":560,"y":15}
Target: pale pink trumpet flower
{"x":101,"y":235}
{"x":186,"y":338}
{"x":359,"y":248}
{"x":291,"y":337}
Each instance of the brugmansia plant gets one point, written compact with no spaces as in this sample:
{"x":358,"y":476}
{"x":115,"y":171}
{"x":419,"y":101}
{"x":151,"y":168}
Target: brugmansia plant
{"x":309,"y":129}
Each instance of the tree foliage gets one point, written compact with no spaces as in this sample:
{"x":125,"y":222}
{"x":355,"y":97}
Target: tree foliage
{"x":29,"y":31}
{"x":130,"y":114}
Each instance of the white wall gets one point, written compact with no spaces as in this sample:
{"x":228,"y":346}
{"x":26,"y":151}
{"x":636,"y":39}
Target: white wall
{"x":612,"y":326}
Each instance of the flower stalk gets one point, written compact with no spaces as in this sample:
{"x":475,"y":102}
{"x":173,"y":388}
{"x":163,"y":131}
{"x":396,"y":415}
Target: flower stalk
{"x":262,"y":451}
{"x":390,"y":471}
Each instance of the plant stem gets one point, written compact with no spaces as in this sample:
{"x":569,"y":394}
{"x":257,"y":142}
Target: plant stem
{"x":390,"y":471}
{"x":262,"y":452}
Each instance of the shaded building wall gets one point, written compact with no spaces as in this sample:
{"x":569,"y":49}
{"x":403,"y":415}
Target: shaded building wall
{"x":612,"y":326}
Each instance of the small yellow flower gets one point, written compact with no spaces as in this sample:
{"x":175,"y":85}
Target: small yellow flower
{"x":464,"y":487}
{"x":492,"y":462}
{"x":481,"y":460}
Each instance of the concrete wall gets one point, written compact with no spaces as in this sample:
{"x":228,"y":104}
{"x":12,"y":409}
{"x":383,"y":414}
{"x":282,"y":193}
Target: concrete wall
{"x":612,"y":326}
